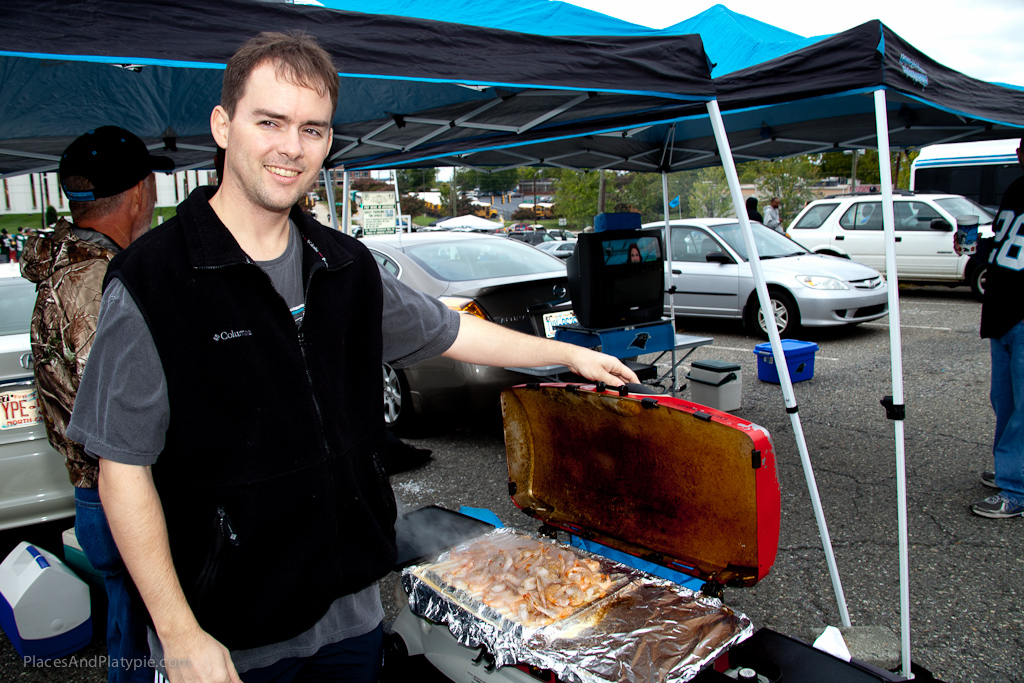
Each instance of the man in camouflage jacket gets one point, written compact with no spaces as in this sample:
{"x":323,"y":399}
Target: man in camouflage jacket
{"x":68,"y":268}
{"x":107,"y":175}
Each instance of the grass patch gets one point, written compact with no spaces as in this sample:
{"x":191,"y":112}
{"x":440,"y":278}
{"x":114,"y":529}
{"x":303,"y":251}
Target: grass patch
{"x":12,"y":221}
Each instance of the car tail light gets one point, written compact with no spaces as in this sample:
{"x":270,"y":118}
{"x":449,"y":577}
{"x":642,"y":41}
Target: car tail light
{"x":464,"y":306}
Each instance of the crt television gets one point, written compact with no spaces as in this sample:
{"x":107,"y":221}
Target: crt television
{"x":617,"y":277}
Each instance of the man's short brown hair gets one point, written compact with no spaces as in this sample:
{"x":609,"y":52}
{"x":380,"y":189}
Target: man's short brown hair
{"x":99,"y":208}
{"x":298,"y":60}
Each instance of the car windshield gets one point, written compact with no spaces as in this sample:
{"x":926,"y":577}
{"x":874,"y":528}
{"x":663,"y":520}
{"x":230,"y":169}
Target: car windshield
{"x":962,"y":206}
{"x":769,"y":243}
{"x":17,"y":299}
{"x":459,"y":261}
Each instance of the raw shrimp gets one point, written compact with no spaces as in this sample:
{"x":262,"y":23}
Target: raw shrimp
{"x":532,"y":582}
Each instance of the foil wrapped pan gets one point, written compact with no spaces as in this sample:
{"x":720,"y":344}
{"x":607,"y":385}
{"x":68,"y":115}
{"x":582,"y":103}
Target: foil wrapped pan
{"x":643,"y":628}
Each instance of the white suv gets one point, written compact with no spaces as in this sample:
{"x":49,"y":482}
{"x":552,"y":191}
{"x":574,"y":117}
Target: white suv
{"x":851,"y":226}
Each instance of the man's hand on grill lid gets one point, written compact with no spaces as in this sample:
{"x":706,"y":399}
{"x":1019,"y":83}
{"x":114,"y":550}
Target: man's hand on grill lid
{"x":485,"y":343}
{"x":599,"y":367}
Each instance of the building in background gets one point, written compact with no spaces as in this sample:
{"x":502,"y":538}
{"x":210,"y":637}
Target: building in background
{"x":32,"y":193}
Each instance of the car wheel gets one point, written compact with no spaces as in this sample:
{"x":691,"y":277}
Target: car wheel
{"x":785,"y":313}
{"x":398,"y":413}
{"x":977,"y":278}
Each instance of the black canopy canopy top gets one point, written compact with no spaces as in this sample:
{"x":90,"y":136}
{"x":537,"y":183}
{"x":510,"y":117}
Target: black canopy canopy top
{"x":155,"y":68}
{"x":815,"y":99}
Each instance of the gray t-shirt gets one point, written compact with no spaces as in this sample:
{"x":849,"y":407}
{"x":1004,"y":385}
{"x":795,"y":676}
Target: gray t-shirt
{"x":122,"y":412}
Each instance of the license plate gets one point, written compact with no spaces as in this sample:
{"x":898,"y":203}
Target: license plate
{"x":559,"y":318}
{"x":18,"y":409}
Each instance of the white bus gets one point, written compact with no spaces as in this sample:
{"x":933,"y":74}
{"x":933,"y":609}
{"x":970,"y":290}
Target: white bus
{"x":977,"y":170}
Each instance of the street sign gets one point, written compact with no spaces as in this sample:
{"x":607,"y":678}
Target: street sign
{"x":562,"y":222}
{"x":378,"y":213}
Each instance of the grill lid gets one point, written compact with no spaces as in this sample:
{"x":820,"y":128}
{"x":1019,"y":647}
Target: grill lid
{"x":672,"y":482}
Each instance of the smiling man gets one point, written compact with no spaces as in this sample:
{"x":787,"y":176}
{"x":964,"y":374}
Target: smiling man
{"x":233,"y":400}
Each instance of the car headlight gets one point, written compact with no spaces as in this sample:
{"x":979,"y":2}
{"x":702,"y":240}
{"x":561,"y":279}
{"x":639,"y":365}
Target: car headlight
{"x":462,"y":305}
{"x":821,"y":282}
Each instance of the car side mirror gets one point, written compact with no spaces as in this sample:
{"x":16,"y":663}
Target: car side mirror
{"x":941,"y":224}
{"x":718,"y":257}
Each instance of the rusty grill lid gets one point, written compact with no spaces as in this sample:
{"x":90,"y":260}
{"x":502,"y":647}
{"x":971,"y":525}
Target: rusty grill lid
{"x":675,"y":483}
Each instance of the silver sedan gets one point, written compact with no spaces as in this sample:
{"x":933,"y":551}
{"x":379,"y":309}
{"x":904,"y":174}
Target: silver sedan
{"x":563,"y":249}
{"x":712,"y":278}
{"x":505,"y":281}
{"x":34,"y":485}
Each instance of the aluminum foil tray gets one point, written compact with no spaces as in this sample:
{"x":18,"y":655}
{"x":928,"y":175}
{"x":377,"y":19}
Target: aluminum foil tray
{"x":643,"y":628}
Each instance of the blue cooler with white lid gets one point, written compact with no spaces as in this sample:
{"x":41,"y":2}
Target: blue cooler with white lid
{"x":45,"y":608}
{"x":799,"y":359}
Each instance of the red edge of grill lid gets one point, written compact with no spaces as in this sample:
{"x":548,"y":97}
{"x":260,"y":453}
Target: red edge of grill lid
{"x":673,"y":482}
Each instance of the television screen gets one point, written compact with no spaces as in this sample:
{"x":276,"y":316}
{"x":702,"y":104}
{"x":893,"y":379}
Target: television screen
{"x":631,"y":250}
{"x":617,"y":278}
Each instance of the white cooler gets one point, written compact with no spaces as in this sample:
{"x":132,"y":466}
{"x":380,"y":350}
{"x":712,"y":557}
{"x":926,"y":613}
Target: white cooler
{"x":45,"y":608}
{"x":716,"y":384}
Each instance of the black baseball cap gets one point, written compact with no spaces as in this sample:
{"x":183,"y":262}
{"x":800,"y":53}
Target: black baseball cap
{"x":111,"y":159}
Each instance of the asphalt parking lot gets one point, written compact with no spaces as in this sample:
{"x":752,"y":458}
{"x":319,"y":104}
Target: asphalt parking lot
{"x":966,"y":606}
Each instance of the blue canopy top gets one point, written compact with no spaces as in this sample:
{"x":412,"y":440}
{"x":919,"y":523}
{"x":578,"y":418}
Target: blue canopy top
{"x":735,"y":41}
{"x":539,"y":17}
{"x":731,"y":40}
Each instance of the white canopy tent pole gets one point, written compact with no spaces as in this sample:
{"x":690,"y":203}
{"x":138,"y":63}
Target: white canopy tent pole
{"x":778,"y":354}
{"x":331,"y":208}
{"x":668,"y":264}
{"x":895,"y":409}
{"x":346,"y":207}
{"x":667,"y":256}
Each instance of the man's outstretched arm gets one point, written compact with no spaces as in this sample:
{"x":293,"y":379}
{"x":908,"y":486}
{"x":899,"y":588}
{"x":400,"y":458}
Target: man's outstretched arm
{"x":486,"y":343}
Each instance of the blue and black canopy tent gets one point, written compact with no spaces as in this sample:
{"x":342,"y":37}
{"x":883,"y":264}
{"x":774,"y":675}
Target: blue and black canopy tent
{"x":863,"y":88}
{"x":155,"y":68}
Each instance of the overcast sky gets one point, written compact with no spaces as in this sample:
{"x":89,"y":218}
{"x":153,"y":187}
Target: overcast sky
{"x":981,"y":38}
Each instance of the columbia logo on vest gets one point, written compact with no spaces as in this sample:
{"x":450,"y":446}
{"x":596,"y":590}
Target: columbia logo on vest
{"x":233,"y":334}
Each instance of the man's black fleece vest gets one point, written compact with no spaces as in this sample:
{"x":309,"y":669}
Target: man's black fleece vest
{"x":271,"y":478}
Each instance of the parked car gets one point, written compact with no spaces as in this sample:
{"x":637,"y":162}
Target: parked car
{"x":560,"y":234}
{"x":851,"y":226}
{"x":34,"y":484}
{"x":713,"y":279}
{"x":489,"y":276}
{"x":533,"y":237}
{"x":563,"y":249}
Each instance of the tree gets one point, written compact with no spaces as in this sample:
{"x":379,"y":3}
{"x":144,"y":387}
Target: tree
{"x":575,"y":196}
{"x":639,"y":192}
{"x":370,"y":185}
{"x":417,"y":179}
{"x":790,"y":180}
{"x":525,"y":215}
{"x":901,"y":168}
{"x":462,"y":204}
{"x":709,"y":195}
{"x":498,"y":182}
{"x":51,"y":216}
{"x":413,"y":206}
{"x":836,"y":165}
